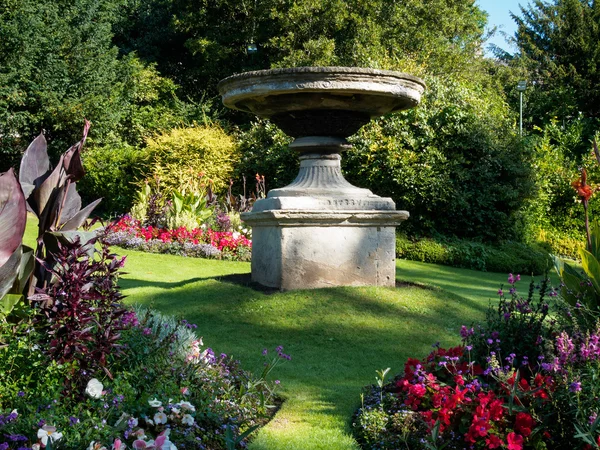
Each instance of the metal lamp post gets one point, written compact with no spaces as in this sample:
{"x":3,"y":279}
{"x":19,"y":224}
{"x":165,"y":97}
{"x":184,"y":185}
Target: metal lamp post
{"x":521,"y":86}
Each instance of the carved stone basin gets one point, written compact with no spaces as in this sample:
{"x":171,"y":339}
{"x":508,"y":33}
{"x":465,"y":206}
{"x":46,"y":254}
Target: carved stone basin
{"x":321,"y":230}
{"x":321,"y":101}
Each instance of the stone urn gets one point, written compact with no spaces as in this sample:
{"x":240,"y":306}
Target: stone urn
{"x":320,"y":230}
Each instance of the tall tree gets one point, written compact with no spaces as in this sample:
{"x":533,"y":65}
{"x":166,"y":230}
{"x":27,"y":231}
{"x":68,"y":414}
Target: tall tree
{"x":559,"y":45}
{"x":59,"y":66}
{"x":198,"y":43}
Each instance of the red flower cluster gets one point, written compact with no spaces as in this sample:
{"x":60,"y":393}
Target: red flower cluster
{"x":446,"y":390}
{"x":223,"y":240}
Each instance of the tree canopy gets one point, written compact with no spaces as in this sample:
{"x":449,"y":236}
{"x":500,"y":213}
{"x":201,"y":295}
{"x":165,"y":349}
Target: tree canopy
{"x":559,"y":45}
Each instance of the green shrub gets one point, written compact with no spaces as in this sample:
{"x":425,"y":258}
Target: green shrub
{"x":264,"y":150}
{"x":505,"y":257}
{"x":111,"y":173}
{"x":180,"y":158}
{"x":453,"y":162}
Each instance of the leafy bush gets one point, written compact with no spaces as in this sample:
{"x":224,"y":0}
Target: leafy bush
{"x":178,"y":159}
{"x":111,"y":173}
{"x":81,"y":310}
{"x":552,"y":216}
{"x":503,"y":257}
{"x":517,"y":326}
{"x":264,"y":149}
{"x":453,"y":162}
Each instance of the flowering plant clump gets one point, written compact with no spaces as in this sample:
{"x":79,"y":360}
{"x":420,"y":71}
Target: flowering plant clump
{"x":204,"y":242}
{"x":82,"y":371}
{"x":168,"y":391}
{"x":541,"y":395}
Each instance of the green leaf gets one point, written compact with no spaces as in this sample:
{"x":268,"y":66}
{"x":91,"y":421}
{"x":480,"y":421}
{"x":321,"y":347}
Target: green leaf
{"x":591,"y":267}
{"x":8,"y":302}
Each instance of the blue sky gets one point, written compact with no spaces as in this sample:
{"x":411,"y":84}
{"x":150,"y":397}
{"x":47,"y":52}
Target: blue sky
{"x":498,"y":15}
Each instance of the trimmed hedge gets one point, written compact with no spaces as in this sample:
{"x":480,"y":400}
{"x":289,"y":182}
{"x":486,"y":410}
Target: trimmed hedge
{"x":507,"y":257}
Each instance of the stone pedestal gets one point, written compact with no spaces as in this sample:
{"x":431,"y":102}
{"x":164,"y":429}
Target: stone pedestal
{"x":303,"y":249}
{"x":320,"y":230}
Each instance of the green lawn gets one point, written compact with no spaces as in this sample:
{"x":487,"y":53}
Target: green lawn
{"x":337,"y":337}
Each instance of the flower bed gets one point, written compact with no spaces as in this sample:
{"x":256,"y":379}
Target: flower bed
{"x":82,"y":371}
{"x":520,"y":380}
{"x":205,"y":243}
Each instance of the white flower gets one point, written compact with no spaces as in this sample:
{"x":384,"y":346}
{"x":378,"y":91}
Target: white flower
{"x":160,"y":417}
{"x":94,"y":388}
{"x":235,"y":235}
{"x":36,"y":447}
{"x":187,"y":420}
{"x":175,"y":410}
{"x":140,"y":433}
{"x":48,"y":432}
{"x":155,"y":403}
{"x":187,"y":406}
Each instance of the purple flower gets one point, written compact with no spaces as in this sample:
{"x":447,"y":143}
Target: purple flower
{"x":265,"y":352}
{"x":73,"y":420}
{"x":466,"y":332}
{"x":21,"y":394}
{"x":147,"y":332}
{"x":575,"y":386}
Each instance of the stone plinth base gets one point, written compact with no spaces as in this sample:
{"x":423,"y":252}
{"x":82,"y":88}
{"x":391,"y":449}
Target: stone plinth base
{"x":293,"y":249}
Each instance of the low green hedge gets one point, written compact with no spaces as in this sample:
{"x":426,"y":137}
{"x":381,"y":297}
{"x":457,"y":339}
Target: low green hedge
{"x":513,"y":257}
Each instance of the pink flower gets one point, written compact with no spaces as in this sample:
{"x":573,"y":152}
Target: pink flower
{"x":515,"y":441}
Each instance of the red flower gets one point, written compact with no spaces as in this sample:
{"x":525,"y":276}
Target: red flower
{"x":524,"y":424}
{"x":496,"y":410}
{"x":418,"y":390}
{"x":515,"y":441}
{"x":583,"y":189}
{"x":494,"y":441}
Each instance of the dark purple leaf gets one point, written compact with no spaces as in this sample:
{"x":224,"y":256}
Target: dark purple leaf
{"x":78,"y":219}
{"x":72,"y":203}
{"x":13,"y":215}
{"x":9,"y":272}
{"x":35,"y":162}
{"x":72,"y":164}
{"x":72,"y":158}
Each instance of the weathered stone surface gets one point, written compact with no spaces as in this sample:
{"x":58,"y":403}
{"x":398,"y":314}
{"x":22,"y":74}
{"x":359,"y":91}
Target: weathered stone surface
{"x":316,"y":249}
{"x":359,"y":94}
